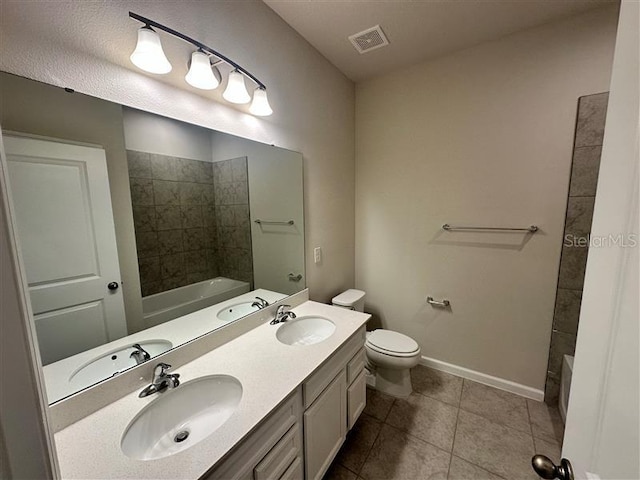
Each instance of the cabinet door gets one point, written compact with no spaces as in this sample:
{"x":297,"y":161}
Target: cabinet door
{"x":356,"y":398}
{"x":325,"y":427}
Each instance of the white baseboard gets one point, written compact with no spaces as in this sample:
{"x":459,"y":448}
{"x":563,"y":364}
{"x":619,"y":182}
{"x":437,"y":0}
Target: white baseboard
{"x":502,"y":384}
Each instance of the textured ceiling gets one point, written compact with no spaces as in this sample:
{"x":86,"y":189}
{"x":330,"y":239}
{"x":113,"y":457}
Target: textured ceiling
{"x":417,"y":30}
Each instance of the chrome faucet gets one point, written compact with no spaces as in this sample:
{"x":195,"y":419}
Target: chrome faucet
{"x":282,"y":316}
{"x":161,"y":380}
{"x":260,"y":303}
{"x":140,"y":355}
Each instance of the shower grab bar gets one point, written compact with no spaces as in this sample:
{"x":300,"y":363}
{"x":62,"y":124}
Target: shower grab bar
{"x":435,"y":303}
{"x":266,"y":222}
{"x":531,"y":229}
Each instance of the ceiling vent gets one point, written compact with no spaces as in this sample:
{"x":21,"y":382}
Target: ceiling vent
{"x":369,"y":39}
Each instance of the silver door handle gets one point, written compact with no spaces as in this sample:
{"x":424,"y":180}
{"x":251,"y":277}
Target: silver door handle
{"x":545,"y":468}
{"x":436,"y":303}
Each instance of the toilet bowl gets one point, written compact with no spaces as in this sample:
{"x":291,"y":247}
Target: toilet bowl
{"x":390,"y":355}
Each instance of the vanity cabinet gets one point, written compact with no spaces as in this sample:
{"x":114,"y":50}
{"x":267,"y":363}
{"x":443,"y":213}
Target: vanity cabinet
{"x":300,"y":439}
{"x":325,"y":427}
{"x":334,"y":398}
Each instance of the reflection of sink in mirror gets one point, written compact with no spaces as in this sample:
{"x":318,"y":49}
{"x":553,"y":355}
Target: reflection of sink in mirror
{"x":236,"y":311}
{"x":183,"y":184}
{"x":305,"y":330}
{"x":182,"y":417}
{"x":114,"y":362}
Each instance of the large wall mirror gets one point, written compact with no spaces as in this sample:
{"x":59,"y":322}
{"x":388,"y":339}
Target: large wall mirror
{"x":138,"y":232}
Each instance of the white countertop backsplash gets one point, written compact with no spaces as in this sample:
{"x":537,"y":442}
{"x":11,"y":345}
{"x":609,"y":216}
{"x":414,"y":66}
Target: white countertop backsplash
{"x":268,"y":370}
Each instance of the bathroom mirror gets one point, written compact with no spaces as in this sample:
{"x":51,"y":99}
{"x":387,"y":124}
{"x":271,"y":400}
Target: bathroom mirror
{"x":138,"y":232}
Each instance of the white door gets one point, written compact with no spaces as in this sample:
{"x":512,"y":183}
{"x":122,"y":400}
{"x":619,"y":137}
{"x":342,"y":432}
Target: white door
{"x":602,"y":431}
{"x":66,"y":234}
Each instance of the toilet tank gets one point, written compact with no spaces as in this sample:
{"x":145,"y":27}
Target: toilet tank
{"x":352,"y":299}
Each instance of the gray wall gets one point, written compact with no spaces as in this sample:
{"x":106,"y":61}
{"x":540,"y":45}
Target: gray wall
{"x":480,"y":137}
{"x":313,"y":102}
{"x":39,"y":109}
{"x":592,"y":111}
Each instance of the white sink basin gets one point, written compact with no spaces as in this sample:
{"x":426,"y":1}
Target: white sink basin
{"x":115,"y":361}
{"x":305,"y":330}
{"x":234,"y":312}
{"x":182,"y":417}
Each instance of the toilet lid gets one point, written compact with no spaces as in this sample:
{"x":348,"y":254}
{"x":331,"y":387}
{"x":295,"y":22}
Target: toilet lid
{"x":392,"y":343}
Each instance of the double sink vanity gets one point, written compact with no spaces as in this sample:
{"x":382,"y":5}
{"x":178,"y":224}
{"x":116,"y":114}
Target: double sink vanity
{"x":275,"y":402}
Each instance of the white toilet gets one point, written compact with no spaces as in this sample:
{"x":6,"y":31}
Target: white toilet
{"x":390,"y":355}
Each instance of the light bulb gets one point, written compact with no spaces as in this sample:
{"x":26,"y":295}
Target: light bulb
{"x":201,"y":74}
{"x":236,"y":92}
{"x":148,"y":54}
{"x":260,"y":104}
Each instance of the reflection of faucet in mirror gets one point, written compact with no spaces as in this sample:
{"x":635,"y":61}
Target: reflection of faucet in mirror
{"x":194,"y":243}
{"x":282,"y":316}
{"x":140,"y":355}
{"x":161,"y":380}
{"x":260,"y":303}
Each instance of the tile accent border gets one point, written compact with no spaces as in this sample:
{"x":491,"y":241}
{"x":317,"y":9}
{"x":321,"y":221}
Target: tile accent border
{"x":485,"y":379}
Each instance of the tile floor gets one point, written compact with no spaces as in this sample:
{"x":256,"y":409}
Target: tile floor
{"x":449,"y":428}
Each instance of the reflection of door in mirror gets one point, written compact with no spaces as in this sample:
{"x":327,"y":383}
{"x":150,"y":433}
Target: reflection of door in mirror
{"x":65,"y":225}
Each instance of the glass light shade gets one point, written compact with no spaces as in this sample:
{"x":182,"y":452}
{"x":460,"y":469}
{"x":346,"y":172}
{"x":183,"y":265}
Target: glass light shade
{"x":260,"y":104}
{"x":201,"y":74}
{"x":236,"y":92}
{"x":148,"y":54}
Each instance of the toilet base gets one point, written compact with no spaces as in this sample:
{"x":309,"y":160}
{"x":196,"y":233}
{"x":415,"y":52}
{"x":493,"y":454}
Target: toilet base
{"x":394,"y":382}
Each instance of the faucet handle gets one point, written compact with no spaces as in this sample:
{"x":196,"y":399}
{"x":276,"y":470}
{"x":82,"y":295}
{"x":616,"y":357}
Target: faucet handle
{"x":161,"y":369}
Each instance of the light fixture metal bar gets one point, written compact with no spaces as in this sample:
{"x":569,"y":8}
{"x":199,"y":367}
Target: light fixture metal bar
{"x":202,"y":46}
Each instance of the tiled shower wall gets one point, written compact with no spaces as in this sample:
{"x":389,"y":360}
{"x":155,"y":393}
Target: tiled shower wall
{"x":232,"y":219}
{"x":174,"y":213}
{"x":584,"y":178}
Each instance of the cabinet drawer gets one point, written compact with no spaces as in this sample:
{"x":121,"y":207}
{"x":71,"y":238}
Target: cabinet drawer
{"x":275,"y":464}
{"x":319,"y":380}
{"x":295,"y":471}
{"x":356,"y":365}
{"x":356,"y":399}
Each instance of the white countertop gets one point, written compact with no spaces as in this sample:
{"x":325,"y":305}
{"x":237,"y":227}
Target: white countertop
{"x":268,"y":370}
{"x":178,"y":331}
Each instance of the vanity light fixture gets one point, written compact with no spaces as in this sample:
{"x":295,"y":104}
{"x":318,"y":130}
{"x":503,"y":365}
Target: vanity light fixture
{"x":149,"y":56}
{"x":260,"y":104}
{"x":236,"y":91}
{"x":201,"y":73}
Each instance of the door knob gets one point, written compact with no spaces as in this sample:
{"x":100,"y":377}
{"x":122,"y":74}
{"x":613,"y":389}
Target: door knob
{"x":545,"y":468}
{"x":112,"y":286}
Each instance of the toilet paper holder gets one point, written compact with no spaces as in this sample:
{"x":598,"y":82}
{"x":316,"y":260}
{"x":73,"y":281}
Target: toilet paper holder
{"x":436,"y":303}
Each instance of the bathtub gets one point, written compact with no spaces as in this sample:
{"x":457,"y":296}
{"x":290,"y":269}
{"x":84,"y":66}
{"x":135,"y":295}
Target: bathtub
{"x":565,"y":386}
{"x":164,"y":306}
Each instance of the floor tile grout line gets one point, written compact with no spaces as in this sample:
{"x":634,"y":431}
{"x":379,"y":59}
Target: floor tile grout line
{"x":419,"y":439}
{"x":437,"y":399}
{"x":498,"y":423}
{"x":476,"y":465}
{"x":382,"y":423}
{"x":455,"y":431}
{"x":530,"y":424}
